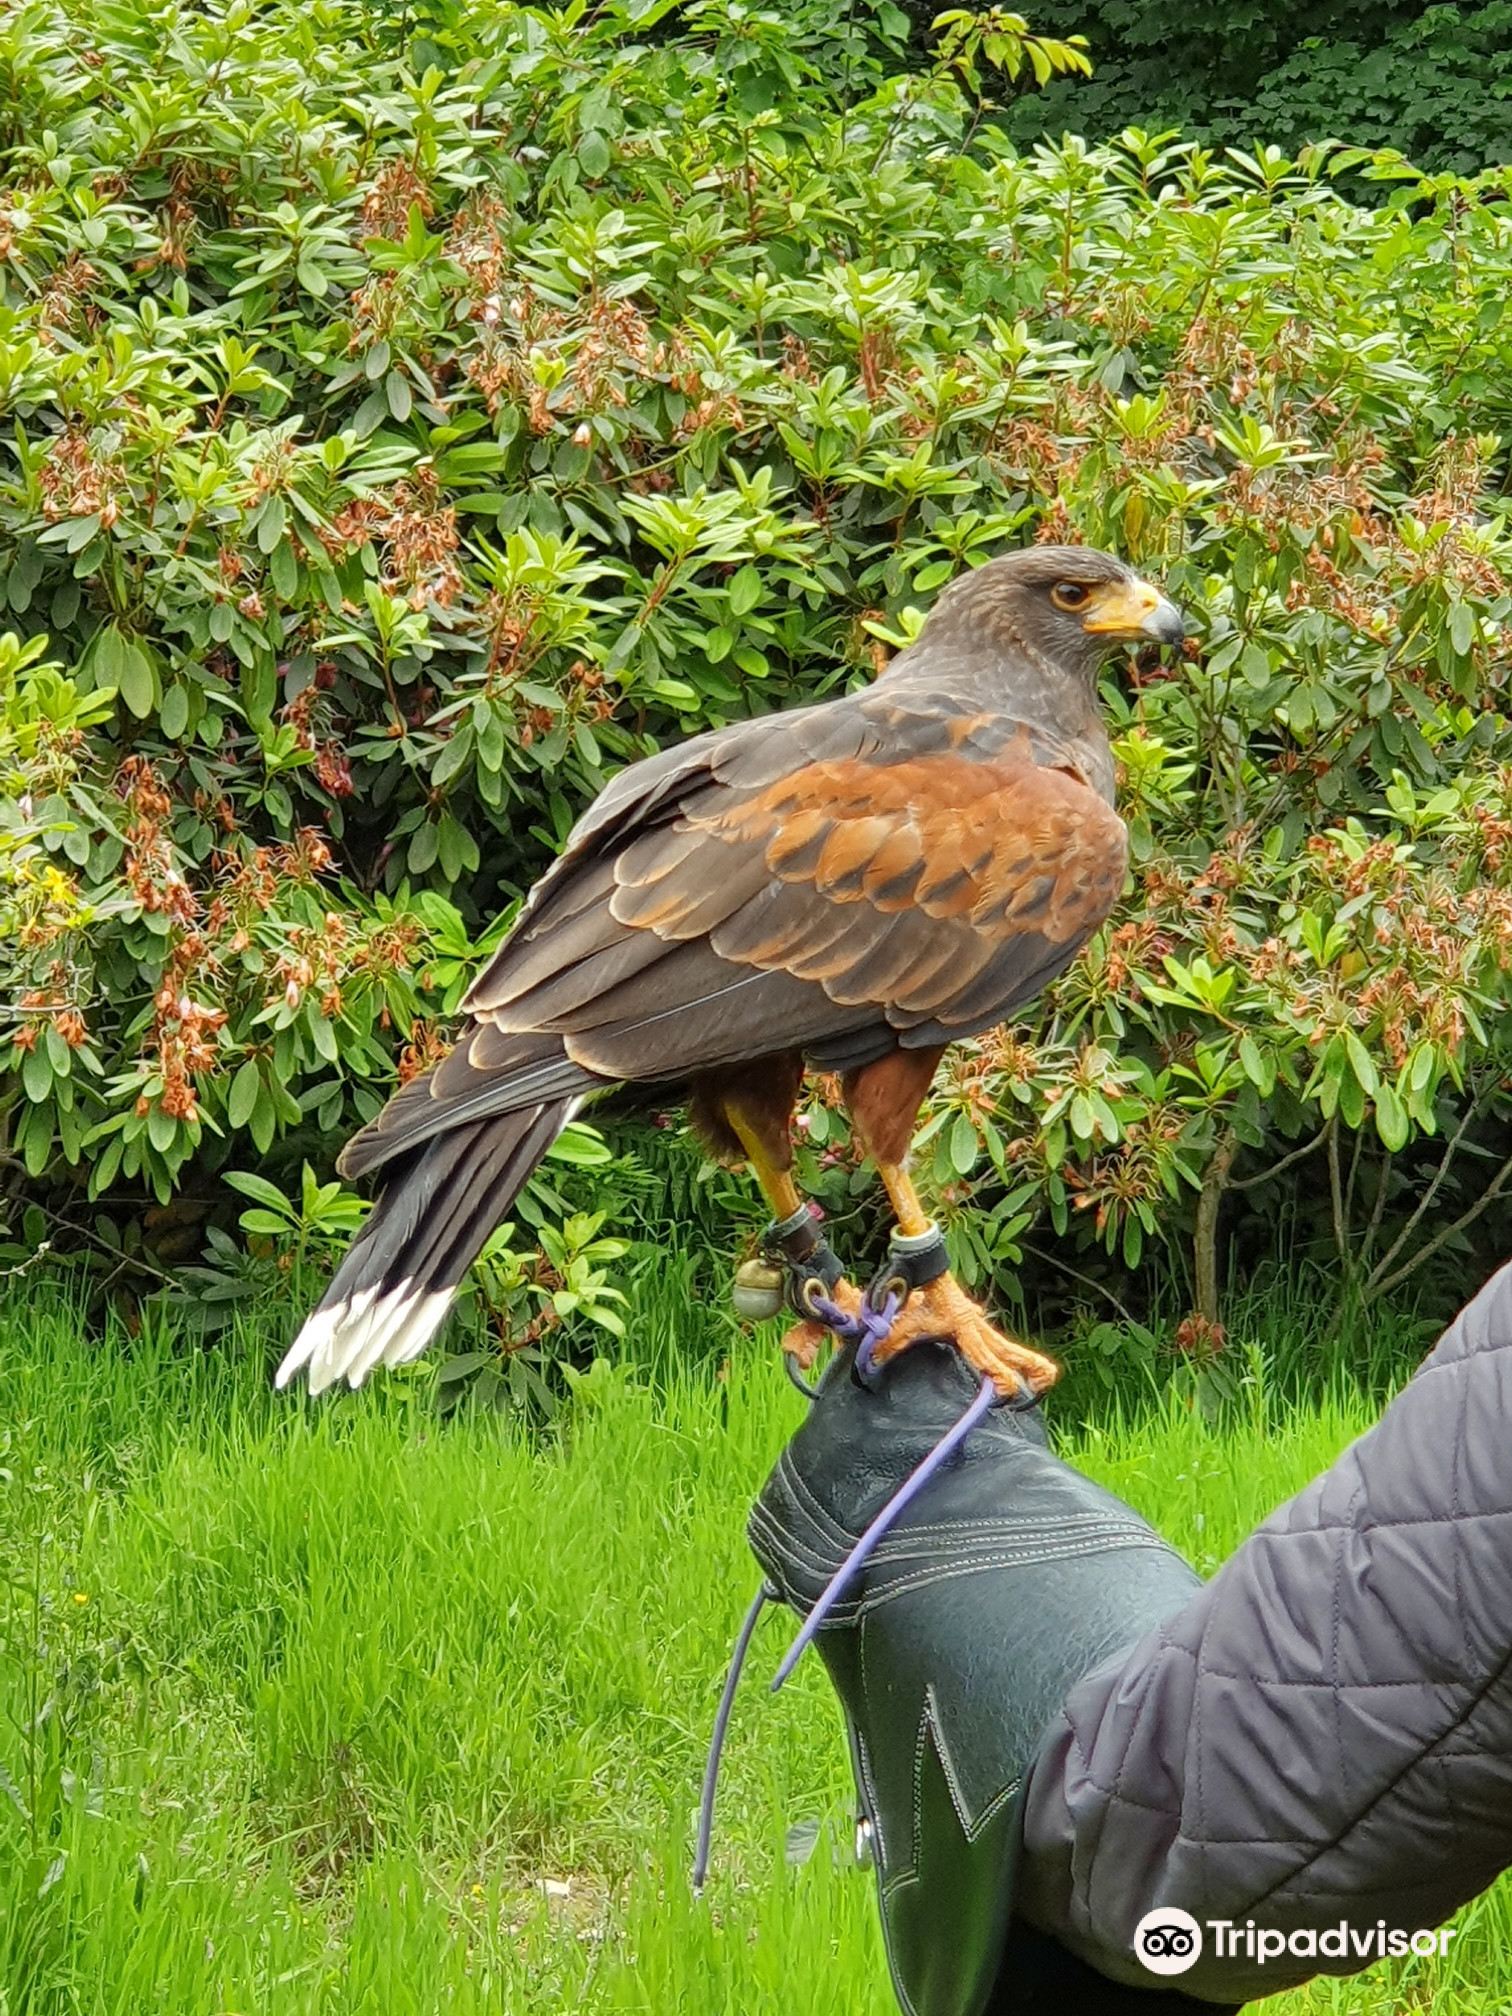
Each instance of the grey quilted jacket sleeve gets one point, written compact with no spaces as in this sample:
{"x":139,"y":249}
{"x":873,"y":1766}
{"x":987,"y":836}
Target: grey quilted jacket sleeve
{"x":1323,"y":1731}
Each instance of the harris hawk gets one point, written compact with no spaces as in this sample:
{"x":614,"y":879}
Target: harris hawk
{"x":851,"y":886}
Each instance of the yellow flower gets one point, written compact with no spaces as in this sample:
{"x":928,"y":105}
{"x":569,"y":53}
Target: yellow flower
{"x":81,"y":1597}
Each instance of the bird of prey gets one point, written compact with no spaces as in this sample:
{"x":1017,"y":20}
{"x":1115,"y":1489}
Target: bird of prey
{"x":851,"y":886}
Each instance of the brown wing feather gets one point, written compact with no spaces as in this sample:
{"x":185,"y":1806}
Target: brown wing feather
{"x":835,"y":881}
{"x":932,"y":867}
{"x":942,"y":887}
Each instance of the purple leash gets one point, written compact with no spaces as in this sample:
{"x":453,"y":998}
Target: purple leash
{"x":867,"y":1330}
{"x":904,"y":1496}
{"x":717,"y":1740}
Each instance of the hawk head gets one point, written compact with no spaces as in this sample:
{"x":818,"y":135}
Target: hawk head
{"x":1067,"y":606}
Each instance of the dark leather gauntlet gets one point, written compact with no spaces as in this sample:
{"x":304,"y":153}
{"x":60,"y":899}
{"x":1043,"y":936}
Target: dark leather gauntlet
{"x":1008,"y":1579}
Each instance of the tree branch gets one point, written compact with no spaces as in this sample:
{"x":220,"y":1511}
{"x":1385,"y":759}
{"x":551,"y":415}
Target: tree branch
{"x":1378,"y":1210}
{"x":1071,"y":1274}
{"x":1336,"y":1192}
{"x":1205,"y":1233}
{"x":1375,"y":1282}
{"x":1275,"y":1169}
{"x":1354,"y":1170}
{"x":1498,"y":1183}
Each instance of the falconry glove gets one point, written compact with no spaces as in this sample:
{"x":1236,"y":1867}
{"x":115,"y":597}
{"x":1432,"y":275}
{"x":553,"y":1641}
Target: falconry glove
{"x":1057,"y":1729}
{"x":954,"y":1650}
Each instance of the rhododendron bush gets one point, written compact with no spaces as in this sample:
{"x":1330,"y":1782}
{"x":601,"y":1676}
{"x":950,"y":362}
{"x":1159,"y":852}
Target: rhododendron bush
{"x":408,"y":419}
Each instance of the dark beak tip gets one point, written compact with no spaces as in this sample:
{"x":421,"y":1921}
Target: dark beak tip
{"x":1173,"y":627}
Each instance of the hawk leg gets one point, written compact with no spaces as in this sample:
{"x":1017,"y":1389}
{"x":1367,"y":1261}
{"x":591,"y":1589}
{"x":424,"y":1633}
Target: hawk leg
{"x":884,"y":1100}
{"x":747,"y":1116}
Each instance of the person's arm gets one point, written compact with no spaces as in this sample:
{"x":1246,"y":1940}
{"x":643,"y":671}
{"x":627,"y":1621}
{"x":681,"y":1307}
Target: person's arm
{"x":1323,"y":1734}
{"x":1058,"y":1731}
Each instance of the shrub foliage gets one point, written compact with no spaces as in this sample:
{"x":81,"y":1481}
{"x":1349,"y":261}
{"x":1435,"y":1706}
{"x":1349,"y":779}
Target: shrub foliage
{"x":1430,"y":78}
{"x":405,"y":426}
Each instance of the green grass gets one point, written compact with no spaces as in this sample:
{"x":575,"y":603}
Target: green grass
{"x":303,"y":1705}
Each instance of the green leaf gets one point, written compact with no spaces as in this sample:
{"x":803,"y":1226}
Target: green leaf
{"x":964,"y":1146}
{"x":369,"y":414}
{"x":265,"y":1222}
{"x":263,"y":1123}
{"x":581,"y":1146}
{"x":1256,"y":667}
{"x":1391,"y":1118}
{"x":401,"y":399}
{"x":1258,"y":1066}
{"x":454,"y":757}
{"x":272,"y":523}
{"x":36,"y":1074}
{"x":424,"y":847}
{"x":594,"y":155}
{"x":283,"y":570}
{"x":134,"y":681}
{"x":242,"y":1097}
{"x":119,"y":662}
{"x":173,"y":715}
{"x":251,"y":1185}
{"x":744,"y":591}
{"x":1351,"y":1101}
{"x":1362,"y":1064}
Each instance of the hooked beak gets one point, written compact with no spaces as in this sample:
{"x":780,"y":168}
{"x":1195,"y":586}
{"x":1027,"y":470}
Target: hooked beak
{"x":1134,"y":609}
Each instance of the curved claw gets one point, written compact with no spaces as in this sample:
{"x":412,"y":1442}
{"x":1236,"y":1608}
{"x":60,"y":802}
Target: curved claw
{"x":808,"y":1337}
{"x":943,"y":1309}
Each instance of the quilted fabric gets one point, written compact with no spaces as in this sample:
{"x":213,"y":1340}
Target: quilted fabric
{"x":1324,"y":1731}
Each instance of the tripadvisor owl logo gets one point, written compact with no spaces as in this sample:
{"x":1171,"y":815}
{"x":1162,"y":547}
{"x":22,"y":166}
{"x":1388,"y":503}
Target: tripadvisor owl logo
{"x":1167,"y":1940}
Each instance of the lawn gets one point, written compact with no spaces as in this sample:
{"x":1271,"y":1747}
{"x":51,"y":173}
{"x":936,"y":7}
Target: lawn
{"x":330,"y":1708}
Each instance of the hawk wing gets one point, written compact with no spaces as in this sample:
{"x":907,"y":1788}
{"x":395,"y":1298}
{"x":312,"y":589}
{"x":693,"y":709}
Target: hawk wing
{"x":838,"y":880}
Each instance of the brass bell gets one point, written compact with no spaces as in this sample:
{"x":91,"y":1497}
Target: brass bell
{"x":758,"y":1291}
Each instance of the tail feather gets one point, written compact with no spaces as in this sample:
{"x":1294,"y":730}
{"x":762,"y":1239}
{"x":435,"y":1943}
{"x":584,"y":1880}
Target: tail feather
{"x":490,"y":1072}
{"x":429,"y":1225}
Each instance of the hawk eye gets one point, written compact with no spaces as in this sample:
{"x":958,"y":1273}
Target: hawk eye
{"x":1070,"y":595}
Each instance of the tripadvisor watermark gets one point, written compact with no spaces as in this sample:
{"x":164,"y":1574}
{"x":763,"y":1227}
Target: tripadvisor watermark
{"x":1169,"y":1941}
